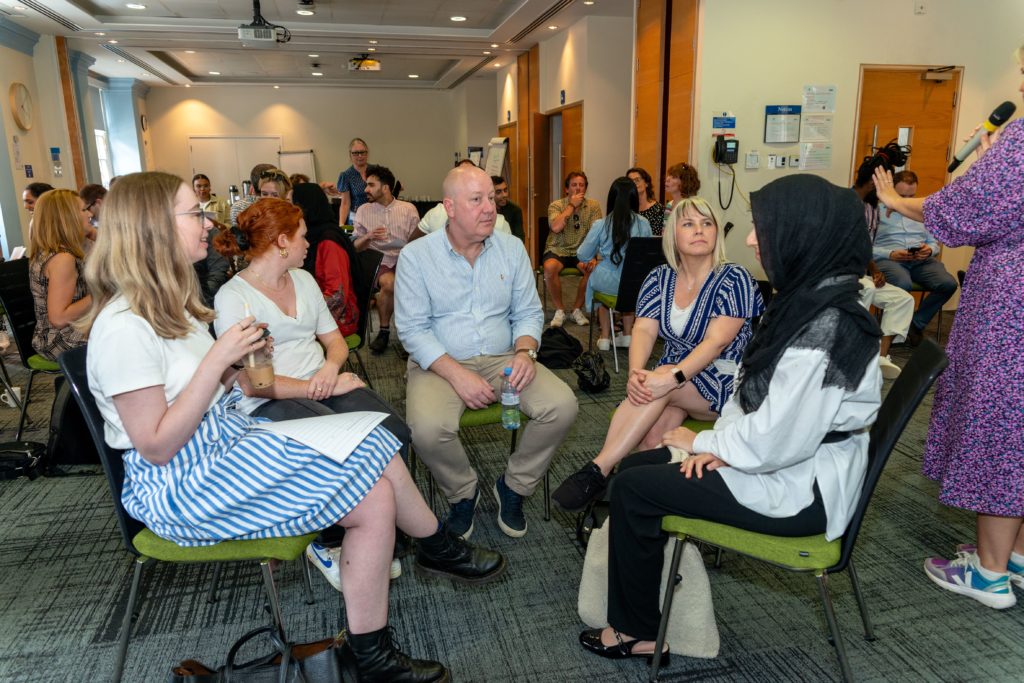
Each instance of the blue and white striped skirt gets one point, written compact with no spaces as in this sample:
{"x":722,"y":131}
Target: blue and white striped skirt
{"x":231,"y":481}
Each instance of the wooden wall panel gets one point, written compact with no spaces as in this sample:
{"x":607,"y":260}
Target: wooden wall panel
{"x":510,"y":131}
{"x":71,"y":111}
{"x":650,"y":39}
{"x":680,"y":83}
{"x":523,"y":138}
{"x":572,"y":140}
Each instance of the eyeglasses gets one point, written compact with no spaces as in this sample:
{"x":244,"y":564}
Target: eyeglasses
{"x":575,"y":222}
{"x":203,"y":216}
{"x":359,"y":152}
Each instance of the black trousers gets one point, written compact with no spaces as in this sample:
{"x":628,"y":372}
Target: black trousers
{"x":355,"y":400}
{"x":646,"y":489}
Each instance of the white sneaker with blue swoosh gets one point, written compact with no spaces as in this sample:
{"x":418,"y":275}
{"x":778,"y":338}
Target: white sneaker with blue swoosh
{"x":328,"y":561}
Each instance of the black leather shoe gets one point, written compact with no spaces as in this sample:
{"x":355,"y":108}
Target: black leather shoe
{"x":915,"y":336}
{"x":591,"y":641}
{"x":445,"y":554}
{"x":378,"y":660}
{"x":380,"y":343}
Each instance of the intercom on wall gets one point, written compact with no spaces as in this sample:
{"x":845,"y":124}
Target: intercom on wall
{"x":726,"y":150}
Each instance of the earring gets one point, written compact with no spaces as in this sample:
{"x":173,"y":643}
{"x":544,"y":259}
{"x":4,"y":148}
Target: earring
{"x":283,"y":252}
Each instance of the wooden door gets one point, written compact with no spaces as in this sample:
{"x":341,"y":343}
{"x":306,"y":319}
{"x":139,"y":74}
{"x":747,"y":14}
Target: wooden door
{"x":540,"y":195}
{"x":893,"y":99}
{"x":572,"y":140}
{"x":649,"y":82}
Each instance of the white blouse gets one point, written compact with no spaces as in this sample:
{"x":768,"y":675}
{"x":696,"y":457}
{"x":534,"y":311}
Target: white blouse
{"x":775,"y":453}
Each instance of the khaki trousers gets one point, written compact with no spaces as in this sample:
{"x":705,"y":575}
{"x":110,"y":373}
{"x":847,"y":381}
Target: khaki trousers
{"x":433,"y":410}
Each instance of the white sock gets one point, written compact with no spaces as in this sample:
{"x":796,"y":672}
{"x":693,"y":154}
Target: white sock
{"x":1017,"y":559}
{"x":986,"y":574}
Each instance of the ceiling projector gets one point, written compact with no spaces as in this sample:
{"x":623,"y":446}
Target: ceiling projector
{"x":363,"y":63}
{"x":261,"y":32}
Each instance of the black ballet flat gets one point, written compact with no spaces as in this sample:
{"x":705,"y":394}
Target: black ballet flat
{"x":591,"y":641}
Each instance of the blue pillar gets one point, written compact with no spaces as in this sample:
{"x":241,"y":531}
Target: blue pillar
{"x":80,"y":63}
{"x":23,"y":40}
{"x":123,"y":127}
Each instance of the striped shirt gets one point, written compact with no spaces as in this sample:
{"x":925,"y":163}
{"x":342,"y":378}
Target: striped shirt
{"x":399,"y":217}
{"x":445,"y":305}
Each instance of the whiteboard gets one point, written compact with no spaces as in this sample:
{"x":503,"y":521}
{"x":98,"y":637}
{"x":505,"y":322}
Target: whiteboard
{"x":228,"y":160}
{"x":494,"y":164}
{"x":301,"y":161}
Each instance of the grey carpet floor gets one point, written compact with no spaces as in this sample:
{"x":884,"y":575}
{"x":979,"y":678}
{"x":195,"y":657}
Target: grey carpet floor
{"x":64,"y":579}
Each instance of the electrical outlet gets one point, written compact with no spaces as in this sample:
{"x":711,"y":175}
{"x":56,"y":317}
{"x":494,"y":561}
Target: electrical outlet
{"x":920,"y":8}
{"x":772,"y":158}
{"x":794,"y":161}
{"x":780,"y":162}
{"x":753,"y":160}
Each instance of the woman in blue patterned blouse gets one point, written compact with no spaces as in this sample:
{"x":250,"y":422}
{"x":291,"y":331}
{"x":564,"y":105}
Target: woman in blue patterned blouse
{"x":701,"y":306}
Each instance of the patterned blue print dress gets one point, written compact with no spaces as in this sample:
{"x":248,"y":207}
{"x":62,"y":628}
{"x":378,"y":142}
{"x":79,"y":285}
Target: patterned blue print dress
{"x":229,"y":481}
{"x":728,"y":291}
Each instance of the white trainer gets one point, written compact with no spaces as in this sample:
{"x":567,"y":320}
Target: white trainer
{"x":579,"y":318}
{"x":604,"y":344}
{"x":326,"y":560}
{"x":889,"y":369}
{"x":558,"y":319}
{"x":623,"y":341}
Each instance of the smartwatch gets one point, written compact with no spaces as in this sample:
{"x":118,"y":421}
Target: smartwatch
{"x":529,"y":352}
{"x":680,"y":377}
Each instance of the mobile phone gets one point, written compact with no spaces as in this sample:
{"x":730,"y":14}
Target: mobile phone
{"x":914,"y":250}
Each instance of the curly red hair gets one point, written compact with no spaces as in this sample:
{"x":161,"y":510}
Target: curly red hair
{"x":259,"y":226}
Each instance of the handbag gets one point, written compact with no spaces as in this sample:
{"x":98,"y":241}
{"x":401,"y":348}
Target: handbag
{"x":590,"y":372}
{"x":322,"y":661}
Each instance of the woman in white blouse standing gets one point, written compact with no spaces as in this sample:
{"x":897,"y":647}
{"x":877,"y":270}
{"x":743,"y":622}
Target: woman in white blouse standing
{"x":788,"y":455}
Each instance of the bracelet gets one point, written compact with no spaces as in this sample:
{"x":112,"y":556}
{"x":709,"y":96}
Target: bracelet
{"x":238,"y":366}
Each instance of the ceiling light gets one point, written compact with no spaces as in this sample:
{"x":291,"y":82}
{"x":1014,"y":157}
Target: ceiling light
{"x":313,"y":55}
{"x":305,"y":12}
{"x":371,"y":49}
{"x":134,"y":5}
{"x":112,"y":42}
{"x":553,"y":27}
{"x":497,"y":65}
{"x":373,"y":42}
{"x":487,"y":52}
{"x":19,"y":8}
{"x":214,"y":73}
{"x":190,"y":52}
{"x":188,"y":85}
{"x":120,"y":61}
{"x":98,"y":34}
{"x":317,"y":73}
{"x":588,"y":2}
{"x":414,"y":75}
{"x":277,"y":87}
{"x":458,"y":18}
{"x":494,"y":45}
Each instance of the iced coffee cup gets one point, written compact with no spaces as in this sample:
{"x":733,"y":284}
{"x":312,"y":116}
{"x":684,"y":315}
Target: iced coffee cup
{"x":259,"y":366}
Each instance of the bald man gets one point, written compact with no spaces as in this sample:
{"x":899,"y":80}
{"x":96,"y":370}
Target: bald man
{"x":466,"y":308}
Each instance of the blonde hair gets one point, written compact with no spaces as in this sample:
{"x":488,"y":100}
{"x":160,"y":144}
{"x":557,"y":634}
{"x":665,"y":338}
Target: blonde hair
{"x":668,"y":235}
{"x":138,"y":255}
{"x":57,"y":225}
{"x":1019,"y":55}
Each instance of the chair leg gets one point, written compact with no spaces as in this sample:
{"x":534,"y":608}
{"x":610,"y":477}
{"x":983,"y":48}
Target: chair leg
{"x":547,"y":496}
{"x":938,"y":327}
{"x":275,"y":603}
{"x":593,"y":314}
{"x":129,"y":619}
{"x":307,"y":580}
{"x":833,"y":627}
{"x":615,"y":350}
{"x":362,"y":368}
{"x":24,"y":404}
{"x":869,"y":631}
{"x":718,"y":558}
{"x":218,"y":567}
{"x":666,"y":607}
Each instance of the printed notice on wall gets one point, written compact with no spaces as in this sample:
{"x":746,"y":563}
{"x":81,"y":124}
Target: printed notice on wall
{"x":819,"y":99}
{"x":816,"y":128}
{"x":815,"y":156}
{"x":782,"y":123}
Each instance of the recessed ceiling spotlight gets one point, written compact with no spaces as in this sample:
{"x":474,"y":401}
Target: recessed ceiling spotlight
{"x":314,"y":56}
{"x":98,"y":34}
{"x":457,"y":18}
{"x":371,"y":49}
{"x":305,"y":12}
{"x":414,"y":75}
{"x":277,"y":87}
{"x":317,"y":73}
{"x":190,"y":52}
{"x":19,"y":8}
{"x":134,"y":5}
{"x":120,"y":61}
{"x":112,"y":42}
{"x":214,"y":73}
{"x":487,"y":52}
{"x":188,"y":85}
{"x":373,"y":42}
{"x":588,"y":2}
{"x":494,"y":45}
{"x":553,"y":27}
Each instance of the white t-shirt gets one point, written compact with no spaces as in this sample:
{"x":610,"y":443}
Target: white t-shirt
{"x":297,"y":353}
{"x":125,"y":354}
{"x":437,"y":218}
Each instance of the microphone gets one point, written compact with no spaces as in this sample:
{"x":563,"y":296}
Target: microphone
{"x":999,"y":116}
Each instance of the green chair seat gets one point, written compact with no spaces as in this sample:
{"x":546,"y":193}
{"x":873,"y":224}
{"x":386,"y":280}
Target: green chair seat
{"x":485,"y":416}
{"x":570,"y":271}
{"x":804,"y":553}
{"x":353,"y":341}
{"x":289,"y":548}
{"x":608,"y":300}
{"x":37,"y":362}
{"x":695,"y":425}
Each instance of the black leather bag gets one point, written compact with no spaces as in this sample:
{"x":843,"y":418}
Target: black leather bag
{"x":22,"y":459}
{"x":558,"y":349}
{"x":323,"y":661}
{"x":590,"y":372}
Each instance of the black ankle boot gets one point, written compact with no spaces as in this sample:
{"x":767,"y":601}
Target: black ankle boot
{"x":378,"y":660}
{"x":445,"y":554}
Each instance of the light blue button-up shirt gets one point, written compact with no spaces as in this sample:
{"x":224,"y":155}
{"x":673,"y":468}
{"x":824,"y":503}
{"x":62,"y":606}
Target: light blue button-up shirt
{"x":899,"y":232}
{"x":445,"y":305}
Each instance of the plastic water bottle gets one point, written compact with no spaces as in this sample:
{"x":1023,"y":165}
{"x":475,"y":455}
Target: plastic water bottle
{"x":509,"y":402}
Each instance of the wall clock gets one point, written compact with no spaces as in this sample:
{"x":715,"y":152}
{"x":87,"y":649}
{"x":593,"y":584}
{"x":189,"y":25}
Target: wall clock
{"x":21,"y":105}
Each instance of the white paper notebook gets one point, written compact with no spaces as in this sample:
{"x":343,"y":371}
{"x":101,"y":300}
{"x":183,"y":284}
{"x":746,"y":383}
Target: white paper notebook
{"x":336,"y":436}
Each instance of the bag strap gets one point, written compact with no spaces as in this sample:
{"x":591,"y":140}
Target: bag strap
{"x":283,"y":649}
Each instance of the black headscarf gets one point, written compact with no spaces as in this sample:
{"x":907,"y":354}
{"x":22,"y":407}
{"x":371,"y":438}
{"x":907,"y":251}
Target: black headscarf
{"x":814,"y":247}
{"x":321,"y":225}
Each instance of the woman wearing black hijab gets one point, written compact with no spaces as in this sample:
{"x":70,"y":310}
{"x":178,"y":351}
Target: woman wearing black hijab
{"x":331,"y":258}
{"x":788,"y":455}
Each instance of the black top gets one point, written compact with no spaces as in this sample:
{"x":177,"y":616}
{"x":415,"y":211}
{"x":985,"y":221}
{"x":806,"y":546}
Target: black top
{"x":514,"y":215}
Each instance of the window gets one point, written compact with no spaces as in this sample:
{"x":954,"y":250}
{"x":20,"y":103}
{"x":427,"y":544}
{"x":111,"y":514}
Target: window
{"x":103,"y":154}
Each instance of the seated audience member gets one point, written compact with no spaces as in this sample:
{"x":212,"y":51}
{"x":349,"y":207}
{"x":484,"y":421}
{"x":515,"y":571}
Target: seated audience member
{"x":210,"y":202}
{"x":701,"y":305}
{"x":330,"y":258}
{"x":298,"y":178}
{"x":163,"y":386}
{"x":608,"y":238}
{"x":56,"y":252}
{"x":458,"y":353}
{"x":789,"y":453}
{"x":93,"y":195}
{"x":897,"y":306}
{"x":274,"y":183}
{"x":650,"y":208}
{"x":352,"y":182}
{"x":905,"y":253}
{"x":29,"y":196}
{"x":569,"y":221}
{"x":681,"y":181}
{"x":254,"y":192}
{"x":384,"y":224}
{"x":508,"y":209}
